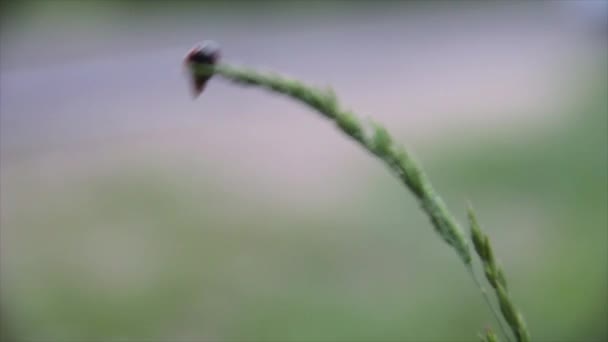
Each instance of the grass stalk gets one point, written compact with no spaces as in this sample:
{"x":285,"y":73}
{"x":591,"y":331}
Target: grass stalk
{"x":377,"y":141}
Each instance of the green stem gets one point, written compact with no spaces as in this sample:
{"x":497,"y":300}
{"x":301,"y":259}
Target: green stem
{"x":377,"y":141}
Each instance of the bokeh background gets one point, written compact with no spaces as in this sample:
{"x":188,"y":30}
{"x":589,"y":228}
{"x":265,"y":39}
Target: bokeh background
{"x":130,"y":211}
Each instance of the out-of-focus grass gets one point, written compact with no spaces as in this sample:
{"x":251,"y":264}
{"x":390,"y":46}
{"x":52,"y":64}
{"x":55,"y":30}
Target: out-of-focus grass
{"x":156,"y":250}
{"x":143,"y":254}
{"x":239,"y":7}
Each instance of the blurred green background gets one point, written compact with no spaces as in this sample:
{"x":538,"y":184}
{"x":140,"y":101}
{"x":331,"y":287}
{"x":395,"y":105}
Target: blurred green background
{"x":131,"y":212}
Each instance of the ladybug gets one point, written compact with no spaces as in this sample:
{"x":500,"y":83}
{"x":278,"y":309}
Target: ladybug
{"x":205,"y":53}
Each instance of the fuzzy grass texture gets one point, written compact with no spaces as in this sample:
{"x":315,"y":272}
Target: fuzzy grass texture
{"x":374,"y":138}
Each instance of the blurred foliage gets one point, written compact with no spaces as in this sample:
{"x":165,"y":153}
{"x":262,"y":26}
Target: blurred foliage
{"x":156,"y":251}
{"x":276,"y":8}
{"x":196,"y":260}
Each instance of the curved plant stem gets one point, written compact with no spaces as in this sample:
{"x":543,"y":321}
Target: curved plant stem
{"x":376,"y":140}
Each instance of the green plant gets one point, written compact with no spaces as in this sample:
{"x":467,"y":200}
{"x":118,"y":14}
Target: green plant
{"x":377,"y":140}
